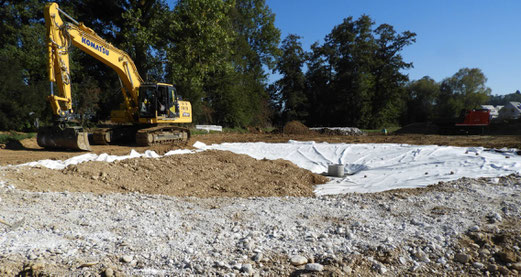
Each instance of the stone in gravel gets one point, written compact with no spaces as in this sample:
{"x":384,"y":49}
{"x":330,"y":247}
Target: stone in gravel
{"x":249,"y":245}
{"x":37,"y":266}
{"x":314,"y":267}
{"x":220,"y":264}
{"x":517,"y":266}
{"x":109,"y":272}
{"x":492,"y":267}
{"x":507,"y":256}
{"x":421,"y":256}
{"x":380,"y":268}
{"x":462,"y":258}
{"x":484,"y":252}
{"x":89,"y":264}
{"x":478,"y":265}
{"x":247,"y":268}
{"x":32,"y":256}
{"x":441,"y":261}
{"x":127,"y":258}
{"x":494,"y":217}
{"x":198,"y":269}
{"x":503,"y":270}
{"x":257,"y":257}
{"x":474,"y":228}
{"x":297,"y":260}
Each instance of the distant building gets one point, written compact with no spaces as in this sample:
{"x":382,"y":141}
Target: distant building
{"x":494,"y":111}
{"x":512,"y":110}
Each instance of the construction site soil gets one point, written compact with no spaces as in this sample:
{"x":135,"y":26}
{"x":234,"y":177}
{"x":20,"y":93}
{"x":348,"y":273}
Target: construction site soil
{"x":216,"y":213}
{"x":27,"y":150}
{"x":204,"y":174}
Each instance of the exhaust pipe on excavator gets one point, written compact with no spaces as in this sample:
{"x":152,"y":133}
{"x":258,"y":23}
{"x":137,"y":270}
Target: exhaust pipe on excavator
{"x":57,"y":137}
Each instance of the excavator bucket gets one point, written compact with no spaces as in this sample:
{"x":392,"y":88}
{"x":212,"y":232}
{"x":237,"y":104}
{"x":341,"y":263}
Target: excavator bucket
{"x":71,"y":138}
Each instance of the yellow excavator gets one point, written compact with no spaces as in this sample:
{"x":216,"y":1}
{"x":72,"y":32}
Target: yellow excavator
{"x":151,"y":113}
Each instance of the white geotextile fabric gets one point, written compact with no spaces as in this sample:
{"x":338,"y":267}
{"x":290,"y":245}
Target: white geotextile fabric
{"x":379,"y":167}
{"x":370,"y":167}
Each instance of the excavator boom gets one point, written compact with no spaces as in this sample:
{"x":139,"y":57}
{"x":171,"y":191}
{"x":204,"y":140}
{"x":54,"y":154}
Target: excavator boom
{"x":158,"y":105}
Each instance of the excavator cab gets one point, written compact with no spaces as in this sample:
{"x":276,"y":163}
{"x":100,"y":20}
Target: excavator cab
{"x":157,"y":100}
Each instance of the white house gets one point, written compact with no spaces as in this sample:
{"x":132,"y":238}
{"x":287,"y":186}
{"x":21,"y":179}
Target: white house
{"x":512,"y":110}
{"x":494,"y":111}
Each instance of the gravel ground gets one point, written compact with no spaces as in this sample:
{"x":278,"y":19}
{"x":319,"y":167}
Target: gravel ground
{"x":464,"y":227}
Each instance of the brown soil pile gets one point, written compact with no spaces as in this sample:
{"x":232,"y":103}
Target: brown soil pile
{"x":204,"y":174}
{"x":295,"y":128}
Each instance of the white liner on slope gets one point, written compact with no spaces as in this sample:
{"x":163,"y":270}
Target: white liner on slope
{"x":59,"y":164}
{"x":379,"y":167}
{"x":373,"y":167}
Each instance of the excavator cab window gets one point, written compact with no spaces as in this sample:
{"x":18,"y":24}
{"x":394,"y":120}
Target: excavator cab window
{"x":147,"y":101}
{"x":163,"y":103}
{"x":174,"y":109}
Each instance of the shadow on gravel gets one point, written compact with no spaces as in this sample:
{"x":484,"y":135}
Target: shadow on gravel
{"x":298,"y":272}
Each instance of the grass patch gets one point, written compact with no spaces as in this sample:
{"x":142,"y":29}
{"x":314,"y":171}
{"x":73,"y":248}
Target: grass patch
{"x":194,"y":131}
{"x":235,"y":130}
{"x":6,"y":137}
{"x":374,"y":131}
{"x":268,"y":129}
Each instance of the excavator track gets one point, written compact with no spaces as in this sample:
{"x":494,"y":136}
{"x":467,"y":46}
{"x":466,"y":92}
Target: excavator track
{"x":102,"y":136}
{"x":162,"y":135}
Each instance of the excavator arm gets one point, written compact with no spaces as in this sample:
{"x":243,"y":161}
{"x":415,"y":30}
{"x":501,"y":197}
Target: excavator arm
{"x":152,"y":115}
{"x":60,"y":36}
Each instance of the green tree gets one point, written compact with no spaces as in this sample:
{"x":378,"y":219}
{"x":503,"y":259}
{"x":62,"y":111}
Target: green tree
{"x":23,"y":64}
{"x":504,"y":99}
{"x":255,"y":48}
{"x":318,"y":89}
{"x":199,"y":51}
{"x":465,"y":90}
{"x":422,"y":95}
{"x":290,"y":95}
{"x":356,"y":74}
{"x":217,"y":53}
{"x":390,"y":97}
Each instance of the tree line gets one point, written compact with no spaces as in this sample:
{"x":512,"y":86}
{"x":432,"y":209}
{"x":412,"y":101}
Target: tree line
{"x":219,"y":55}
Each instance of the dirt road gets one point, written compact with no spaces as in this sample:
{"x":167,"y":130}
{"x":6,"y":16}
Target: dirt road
{"x":27,"y":150}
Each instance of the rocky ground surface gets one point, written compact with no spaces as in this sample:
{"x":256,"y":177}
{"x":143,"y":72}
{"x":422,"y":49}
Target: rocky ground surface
{"x":124,"y":219}
{"x":464,"y":227}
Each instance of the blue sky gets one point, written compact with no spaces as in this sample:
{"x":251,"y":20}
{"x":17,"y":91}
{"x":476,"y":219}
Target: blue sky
{"x":450,"y":34}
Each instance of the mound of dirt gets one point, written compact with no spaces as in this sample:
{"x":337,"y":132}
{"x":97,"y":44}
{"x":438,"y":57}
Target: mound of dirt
{"x":295,"y":128}
{"x":338,"y":131}
{"x":203,"y":174}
